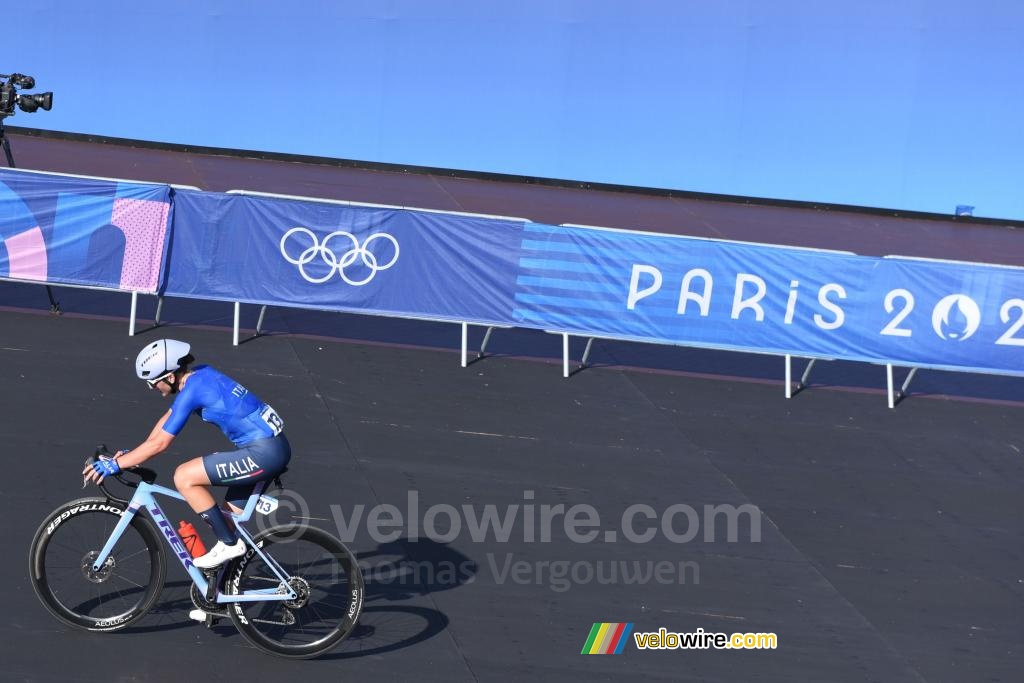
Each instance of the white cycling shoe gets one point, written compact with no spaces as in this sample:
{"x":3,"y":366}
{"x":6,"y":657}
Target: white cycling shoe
{"x":197,"y":615}
{"x":220,"y":554}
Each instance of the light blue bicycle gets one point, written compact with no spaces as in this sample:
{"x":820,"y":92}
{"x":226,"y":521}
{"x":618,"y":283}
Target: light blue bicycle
{"x":98,"y":565}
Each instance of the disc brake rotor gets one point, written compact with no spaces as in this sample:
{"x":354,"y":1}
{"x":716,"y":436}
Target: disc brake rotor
{"x":301,"y":588}
{"x":104,"y":571}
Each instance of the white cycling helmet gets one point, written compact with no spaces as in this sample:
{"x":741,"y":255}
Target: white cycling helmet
{"x":160,"y":357}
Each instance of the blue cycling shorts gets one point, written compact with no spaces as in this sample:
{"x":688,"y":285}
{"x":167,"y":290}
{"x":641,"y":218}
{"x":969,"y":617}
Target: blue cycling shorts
{"x":252,"y":463}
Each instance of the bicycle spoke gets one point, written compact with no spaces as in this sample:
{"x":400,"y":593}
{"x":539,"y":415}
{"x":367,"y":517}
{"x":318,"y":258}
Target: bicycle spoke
{"x":137,"y":552}
{"x":119,"y":594}
{"x":67,"y":547}
{"x":138,"y":585}
{"x":318,"y":615}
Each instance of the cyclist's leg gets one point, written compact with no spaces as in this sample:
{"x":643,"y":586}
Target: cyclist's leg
{"x":192,"y":480}
{"x":237,"y":496}
{"x":241,"y":470}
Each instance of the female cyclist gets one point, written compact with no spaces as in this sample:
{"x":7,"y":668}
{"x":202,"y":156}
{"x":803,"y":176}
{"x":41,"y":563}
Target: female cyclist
{"x":262,"y":451}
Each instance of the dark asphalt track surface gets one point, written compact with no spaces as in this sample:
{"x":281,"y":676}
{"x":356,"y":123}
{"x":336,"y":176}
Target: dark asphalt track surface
{"x":890,"y":540}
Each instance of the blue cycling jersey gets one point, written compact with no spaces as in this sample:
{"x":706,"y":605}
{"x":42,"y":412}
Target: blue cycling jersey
{"x":224,"y":402}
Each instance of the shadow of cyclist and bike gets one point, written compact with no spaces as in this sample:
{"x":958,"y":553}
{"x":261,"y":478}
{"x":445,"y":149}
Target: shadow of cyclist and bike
{"x":394,"y":572}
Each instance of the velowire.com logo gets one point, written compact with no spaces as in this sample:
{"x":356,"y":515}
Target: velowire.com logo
{"x":611,"y":639}
{"x":607,"y":639}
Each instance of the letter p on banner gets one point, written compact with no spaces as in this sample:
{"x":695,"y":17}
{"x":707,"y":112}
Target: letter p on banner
{"x":607,"y":638}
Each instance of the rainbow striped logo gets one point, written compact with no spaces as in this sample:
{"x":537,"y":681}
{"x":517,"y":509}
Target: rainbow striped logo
{"x":607,"y":639}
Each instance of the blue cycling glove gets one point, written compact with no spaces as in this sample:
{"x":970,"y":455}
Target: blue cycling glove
{"x":106,"y":467}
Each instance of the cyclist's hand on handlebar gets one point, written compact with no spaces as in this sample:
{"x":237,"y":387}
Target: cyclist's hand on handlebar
{"x":97,"y":470}
{"x":106,"y":467}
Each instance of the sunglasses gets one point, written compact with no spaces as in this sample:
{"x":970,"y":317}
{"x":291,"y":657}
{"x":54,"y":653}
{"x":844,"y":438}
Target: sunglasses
{"x":153,"y":382}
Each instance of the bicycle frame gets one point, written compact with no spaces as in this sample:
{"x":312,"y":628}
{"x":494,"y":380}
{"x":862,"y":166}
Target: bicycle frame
{"x":145,"y":497}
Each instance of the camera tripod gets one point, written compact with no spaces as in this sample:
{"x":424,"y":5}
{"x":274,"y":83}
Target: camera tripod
{"x":6,"y":144}
{"x":54,"y":304}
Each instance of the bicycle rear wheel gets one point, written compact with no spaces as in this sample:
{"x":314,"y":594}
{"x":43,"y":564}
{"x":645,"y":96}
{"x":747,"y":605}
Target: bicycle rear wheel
{"x":60,"y":566}
{"x":324,"y":574}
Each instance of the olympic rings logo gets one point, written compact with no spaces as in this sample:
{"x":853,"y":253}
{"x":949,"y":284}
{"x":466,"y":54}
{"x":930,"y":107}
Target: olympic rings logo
{"x":330,"y":258}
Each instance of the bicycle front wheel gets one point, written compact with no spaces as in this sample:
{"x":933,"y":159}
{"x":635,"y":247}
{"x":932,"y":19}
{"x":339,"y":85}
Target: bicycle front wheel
{"x":61,"y":558}
{"x":323,"y":573}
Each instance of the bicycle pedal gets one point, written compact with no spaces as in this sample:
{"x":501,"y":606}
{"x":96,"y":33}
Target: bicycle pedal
{"x":207,"y":618}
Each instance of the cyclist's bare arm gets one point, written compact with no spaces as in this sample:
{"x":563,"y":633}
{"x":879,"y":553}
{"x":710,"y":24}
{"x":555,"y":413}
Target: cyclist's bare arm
{"x":157,"y":442}
{"x":158,"y":430}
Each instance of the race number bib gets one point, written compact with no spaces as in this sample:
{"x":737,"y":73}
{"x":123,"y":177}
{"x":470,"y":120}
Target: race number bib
{"x":273,"y":420}
{"x":266,"y":504}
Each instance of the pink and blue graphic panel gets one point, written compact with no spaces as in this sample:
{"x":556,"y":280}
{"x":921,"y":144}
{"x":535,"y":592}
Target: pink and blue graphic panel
{"x":86,"y":232}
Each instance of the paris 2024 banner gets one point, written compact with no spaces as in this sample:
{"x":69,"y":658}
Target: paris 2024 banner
{"x":598,"y":282}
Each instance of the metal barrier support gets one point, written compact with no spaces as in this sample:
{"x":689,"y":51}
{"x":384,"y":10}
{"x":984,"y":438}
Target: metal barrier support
{"x":236,"y":331}
{"x":807,"y":373}
{"x":586,"y":352}
{"x":487,"y":338}
{"x":565,"y":354}
{"x":906,"y":383}
{"x":132,"y":331}
{"x":54,"y":304}
{"x":465,"y":343}
{"x":803,"y":378}
{"x":896,"y":395}
{"x":888,"y":382}
{"x":131,"y":320}
{"x":259,"y":322}
{"x":483,"y":346}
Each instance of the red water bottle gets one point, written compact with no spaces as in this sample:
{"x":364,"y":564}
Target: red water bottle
{"x":191,"y":539}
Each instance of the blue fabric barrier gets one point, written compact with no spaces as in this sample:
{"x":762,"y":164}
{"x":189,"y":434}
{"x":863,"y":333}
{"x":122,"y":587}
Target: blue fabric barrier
{"x":86,"y":232}
{"x":345,"y":258}
{"x":745,"y":297}
{"x":583,"y":281}
{"x":598,"y":282}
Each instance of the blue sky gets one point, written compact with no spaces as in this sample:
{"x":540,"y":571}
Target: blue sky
{"x":914,"y":105}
